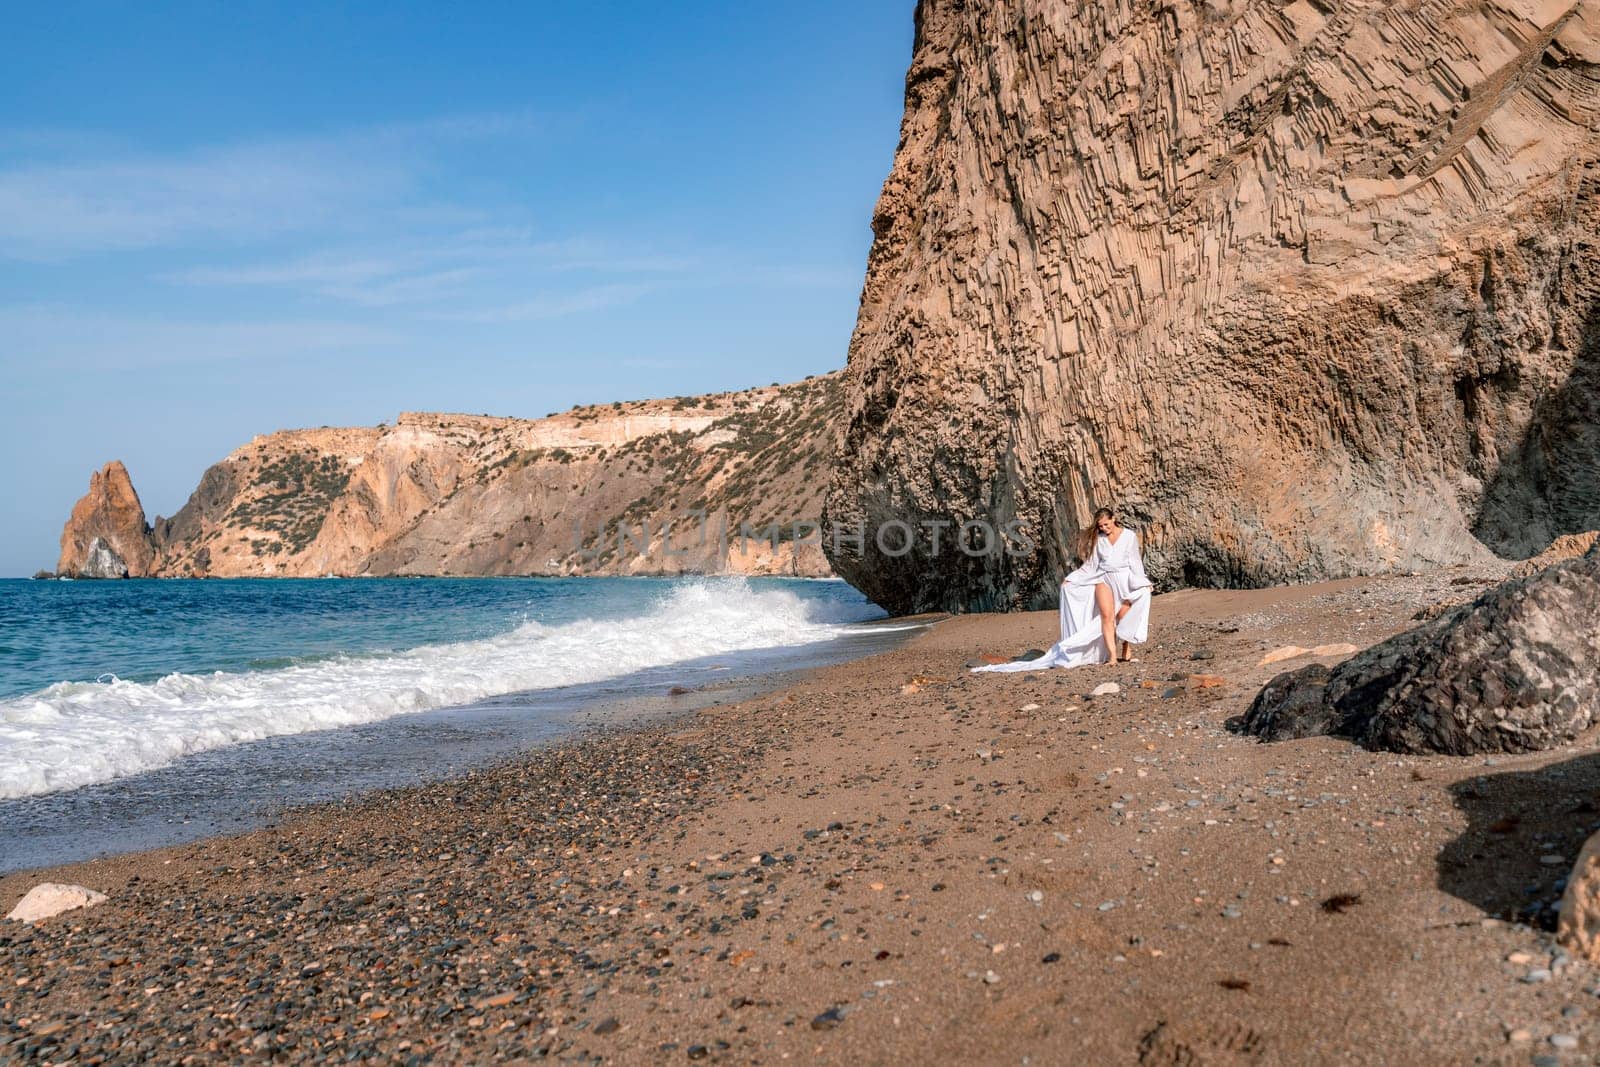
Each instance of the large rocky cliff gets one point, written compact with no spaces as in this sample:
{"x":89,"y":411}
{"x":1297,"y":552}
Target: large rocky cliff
{"x":1304,"y":289}
{"x":589,"y":491}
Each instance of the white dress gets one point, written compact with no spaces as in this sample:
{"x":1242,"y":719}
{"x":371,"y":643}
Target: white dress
{"x":1121,"y":568}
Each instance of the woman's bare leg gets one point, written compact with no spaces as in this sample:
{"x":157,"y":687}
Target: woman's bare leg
{"x":1106,"y":605}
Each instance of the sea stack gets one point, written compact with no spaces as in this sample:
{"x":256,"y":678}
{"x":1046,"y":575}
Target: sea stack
{"x":107,"y":536}
{"x":1304,"y":290}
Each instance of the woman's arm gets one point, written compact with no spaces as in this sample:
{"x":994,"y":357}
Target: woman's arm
{"x":1136,"y":562}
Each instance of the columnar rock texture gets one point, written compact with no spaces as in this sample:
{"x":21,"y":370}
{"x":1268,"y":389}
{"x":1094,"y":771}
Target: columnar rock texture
{"x":1305,"y":289}
{"x":106,"y":536}
{"x":1517,"y":670}
{"x":587,"y":491}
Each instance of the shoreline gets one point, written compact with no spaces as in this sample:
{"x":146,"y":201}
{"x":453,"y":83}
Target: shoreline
{"x":50,"y":577}
{"x":882,"y":860}
{"x":234,"y":789}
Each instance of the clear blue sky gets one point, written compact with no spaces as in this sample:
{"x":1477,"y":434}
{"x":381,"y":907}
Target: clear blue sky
{"x":218,"y":220}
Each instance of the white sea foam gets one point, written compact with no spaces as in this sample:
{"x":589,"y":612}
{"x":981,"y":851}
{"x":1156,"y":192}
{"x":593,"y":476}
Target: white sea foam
{"x":77,"y":733}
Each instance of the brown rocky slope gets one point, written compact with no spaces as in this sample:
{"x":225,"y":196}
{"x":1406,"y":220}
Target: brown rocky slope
{"x":1306,"y":289}
{"x":438,"y":494}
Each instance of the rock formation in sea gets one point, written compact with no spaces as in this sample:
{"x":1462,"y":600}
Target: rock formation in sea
{"x":1517,"y":670}
{"x":106,"y":535}
{"x":588,"y":491}
{"x":1305,"y":289}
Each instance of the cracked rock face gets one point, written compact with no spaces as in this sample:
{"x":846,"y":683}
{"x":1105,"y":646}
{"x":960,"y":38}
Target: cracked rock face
{"x":102,"y":561}
{"x":1516,"y":670}
{"x":1305,"y":289}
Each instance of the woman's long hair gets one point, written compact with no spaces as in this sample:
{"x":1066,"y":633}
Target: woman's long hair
{"x":1087,"y":535}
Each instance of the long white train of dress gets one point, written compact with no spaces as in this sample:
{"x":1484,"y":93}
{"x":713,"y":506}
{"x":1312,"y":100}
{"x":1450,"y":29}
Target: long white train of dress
{"x":1121,"y":568}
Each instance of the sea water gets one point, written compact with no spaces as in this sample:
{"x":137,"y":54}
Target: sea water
{"x":141,"y":712}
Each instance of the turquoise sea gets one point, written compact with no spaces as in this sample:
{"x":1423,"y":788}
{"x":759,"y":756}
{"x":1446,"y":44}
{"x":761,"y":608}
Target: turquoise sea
{"x":137,"y":712}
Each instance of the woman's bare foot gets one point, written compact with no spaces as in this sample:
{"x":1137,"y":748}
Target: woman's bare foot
{"x":1127,"y":652}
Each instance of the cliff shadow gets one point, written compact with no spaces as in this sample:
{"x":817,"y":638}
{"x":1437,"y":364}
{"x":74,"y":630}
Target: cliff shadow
{"x":1513,"y":820}
{"x":1549,"y":484}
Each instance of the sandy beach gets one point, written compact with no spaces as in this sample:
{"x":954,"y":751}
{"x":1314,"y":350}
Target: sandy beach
{"x":887,"y":861}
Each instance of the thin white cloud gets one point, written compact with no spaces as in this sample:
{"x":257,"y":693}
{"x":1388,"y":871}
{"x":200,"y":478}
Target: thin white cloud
{"x":84,"y":202}
{"x":638,"y":363}
{"x":56,"y":212}
{"x":554,"y":305}
{"x":62,"y":340}
{"x":314,"y":271}
{"x":318,"y":237}
{"x":464,"y":268}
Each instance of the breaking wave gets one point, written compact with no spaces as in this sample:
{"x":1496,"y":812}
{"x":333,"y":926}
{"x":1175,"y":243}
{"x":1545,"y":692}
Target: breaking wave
{"x":73,"y":734}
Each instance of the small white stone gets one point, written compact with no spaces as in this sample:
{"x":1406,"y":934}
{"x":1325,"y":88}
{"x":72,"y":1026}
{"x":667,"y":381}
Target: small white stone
{"x":1105,"y":689}
{"x":53,"y":898}
{"x":1029,"y":707}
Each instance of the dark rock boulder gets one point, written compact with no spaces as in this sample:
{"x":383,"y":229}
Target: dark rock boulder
{"x":1516,"y":670}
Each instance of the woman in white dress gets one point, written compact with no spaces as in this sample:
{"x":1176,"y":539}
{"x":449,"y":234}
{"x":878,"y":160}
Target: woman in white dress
{"x":1102,"y":602}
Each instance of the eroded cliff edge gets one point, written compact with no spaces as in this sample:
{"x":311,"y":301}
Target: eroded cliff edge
{"x":587,"y":491}
{"x":1306,"y":290}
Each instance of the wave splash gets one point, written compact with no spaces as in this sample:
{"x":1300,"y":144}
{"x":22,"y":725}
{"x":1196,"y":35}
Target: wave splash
{"x":73,"y":734}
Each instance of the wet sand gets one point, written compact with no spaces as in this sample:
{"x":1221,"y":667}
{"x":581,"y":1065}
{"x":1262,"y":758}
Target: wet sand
{"x":886,"y":861}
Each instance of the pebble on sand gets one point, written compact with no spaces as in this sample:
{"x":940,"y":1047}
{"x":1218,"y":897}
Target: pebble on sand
{"x":828,"y":1019}
{"x":1578,"y":922}
{"x":1105,"y":689}
{"x":1278,"y":655}
{"x":53,"y":898}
